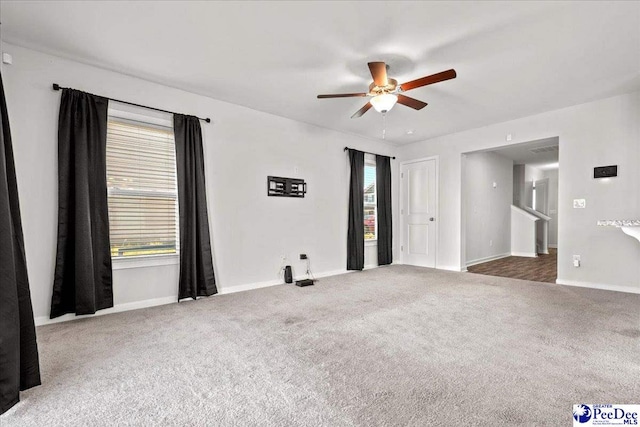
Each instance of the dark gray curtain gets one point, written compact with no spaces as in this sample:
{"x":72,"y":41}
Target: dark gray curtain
{"x":196,"y":260}
{"x":355,"y":234}
{"x":19,"y":367}
{"x":82,"y":282}
{"x":383,"y":194}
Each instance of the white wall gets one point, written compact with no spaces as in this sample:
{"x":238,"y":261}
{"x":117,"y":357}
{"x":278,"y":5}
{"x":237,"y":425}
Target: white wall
{"x":487,"y":209}
{"x":250,"y":231}
{"x":518,"y":185}
{"x":552,"y":175}
{"x":532,"y":173}
{"x":604,"y":132}
{"x":523,"y":232}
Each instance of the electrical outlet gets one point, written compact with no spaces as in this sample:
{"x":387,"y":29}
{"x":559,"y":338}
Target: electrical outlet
{"x":303,"y":256}
{"x":576,"y":261}
{"x":490,"y":242}
{"x":579,"y":203}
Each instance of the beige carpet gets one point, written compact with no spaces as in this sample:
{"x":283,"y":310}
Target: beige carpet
{"x":392,"y":346}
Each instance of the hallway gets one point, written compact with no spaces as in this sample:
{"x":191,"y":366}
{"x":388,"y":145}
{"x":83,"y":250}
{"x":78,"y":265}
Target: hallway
{"x":540,"y":269}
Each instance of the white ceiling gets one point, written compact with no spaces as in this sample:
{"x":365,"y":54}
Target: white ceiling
{"x":543,"y":153}
{"x":513,"y":59}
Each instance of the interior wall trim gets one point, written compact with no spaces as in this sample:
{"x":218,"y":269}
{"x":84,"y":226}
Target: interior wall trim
{"x":487,"y":259}
{"x":118,"y":308}
{"x":602,"y":286}
{"x":451,"y":268}
{"x":525,"y":254}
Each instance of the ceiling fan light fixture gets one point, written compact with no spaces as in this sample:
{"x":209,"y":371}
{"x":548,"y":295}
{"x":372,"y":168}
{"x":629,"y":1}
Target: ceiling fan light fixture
{"x":383,"y":103}
{"x":384,"y":92}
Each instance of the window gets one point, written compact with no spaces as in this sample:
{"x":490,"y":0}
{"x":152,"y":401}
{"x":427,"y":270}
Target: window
{"x":370,"y":202}
{"x":142,"y":188}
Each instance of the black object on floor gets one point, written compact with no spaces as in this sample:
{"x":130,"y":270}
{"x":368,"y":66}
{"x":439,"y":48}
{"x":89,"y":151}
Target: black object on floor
{"x":288,"y":276}
{"x":305,"y":282}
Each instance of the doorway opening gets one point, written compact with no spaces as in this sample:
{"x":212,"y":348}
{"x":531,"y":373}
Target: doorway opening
{"x":510,"y":210}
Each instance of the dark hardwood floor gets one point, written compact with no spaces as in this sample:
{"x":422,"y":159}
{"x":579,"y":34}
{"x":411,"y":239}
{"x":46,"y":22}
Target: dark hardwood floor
{"x":544,"y":268}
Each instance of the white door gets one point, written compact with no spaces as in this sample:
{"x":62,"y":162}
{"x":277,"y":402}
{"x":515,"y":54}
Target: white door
{"x":418,"y":213}
{"x":542,"y":200}
{"x":528,"y":194}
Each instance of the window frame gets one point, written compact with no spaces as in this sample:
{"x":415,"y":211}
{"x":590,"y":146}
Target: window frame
{"x":163,"y":121}
{"x":370,"y":160}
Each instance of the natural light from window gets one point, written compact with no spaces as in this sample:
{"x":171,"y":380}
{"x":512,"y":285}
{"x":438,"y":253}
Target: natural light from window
{"x":142,"y":189}
{"x":370,"y":203}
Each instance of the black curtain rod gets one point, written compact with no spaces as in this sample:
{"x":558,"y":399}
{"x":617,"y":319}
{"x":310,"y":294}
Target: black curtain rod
{"x":347,"y":148}
{"x":56,"y":86}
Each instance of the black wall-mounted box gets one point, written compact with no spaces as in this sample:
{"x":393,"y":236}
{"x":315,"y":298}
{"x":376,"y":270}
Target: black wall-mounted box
{"x":605,"y":171}
{"x":286,"y":187}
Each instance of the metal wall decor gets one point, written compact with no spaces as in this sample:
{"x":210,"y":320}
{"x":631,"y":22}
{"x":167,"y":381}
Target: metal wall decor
{"x":286,"y":187}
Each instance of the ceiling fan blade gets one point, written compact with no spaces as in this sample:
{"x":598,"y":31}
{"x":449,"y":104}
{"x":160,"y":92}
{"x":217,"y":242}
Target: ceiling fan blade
{"x":424,"y":81}
{"x":379,"y":73}
{"x":341,"y":95}
{"x":361,"y":111}
{"x":416,"y":104}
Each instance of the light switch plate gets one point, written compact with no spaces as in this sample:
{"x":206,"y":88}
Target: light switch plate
{"x":579,"y":203}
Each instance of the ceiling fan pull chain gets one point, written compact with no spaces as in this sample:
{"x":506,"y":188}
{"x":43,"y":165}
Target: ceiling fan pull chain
{"x":384,"y":125}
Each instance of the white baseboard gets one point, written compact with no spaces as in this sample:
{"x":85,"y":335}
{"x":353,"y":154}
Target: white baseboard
{"x":553,"y":246}
{"x":437,"y":267}
{"x":487,"y":259}
{"x":44,"y":320}
{"x":249,"y":287}
{"x":525,"y":254}
{"x":450,"y":268}
{"x":603,"y":286}
{"x":259,"y":285}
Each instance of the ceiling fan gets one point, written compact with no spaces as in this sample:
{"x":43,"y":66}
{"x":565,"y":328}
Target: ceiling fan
{"x":385,"y":91}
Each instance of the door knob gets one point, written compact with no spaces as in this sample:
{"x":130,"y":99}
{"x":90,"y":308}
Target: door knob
{"x":432,"y":219}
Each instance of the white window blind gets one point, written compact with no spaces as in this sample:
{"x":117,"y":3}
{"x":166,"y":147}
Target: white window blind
{"x":370,"y":203}
{"x":142,"y":189}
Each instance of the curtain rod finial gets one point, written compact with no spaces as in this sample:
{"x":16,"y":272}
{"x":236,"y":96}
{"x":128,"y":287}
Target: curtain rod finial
{"x":208,"y":120}
{"x":56,"y":86}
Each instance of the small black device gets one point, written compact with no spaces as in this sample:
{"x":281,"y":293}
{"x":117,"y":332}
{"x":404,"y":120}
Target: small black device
{"x":303,"y":256}
{"x":605,"y":171}
{"x":288,"y":277}
{"x":304,"y":282}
